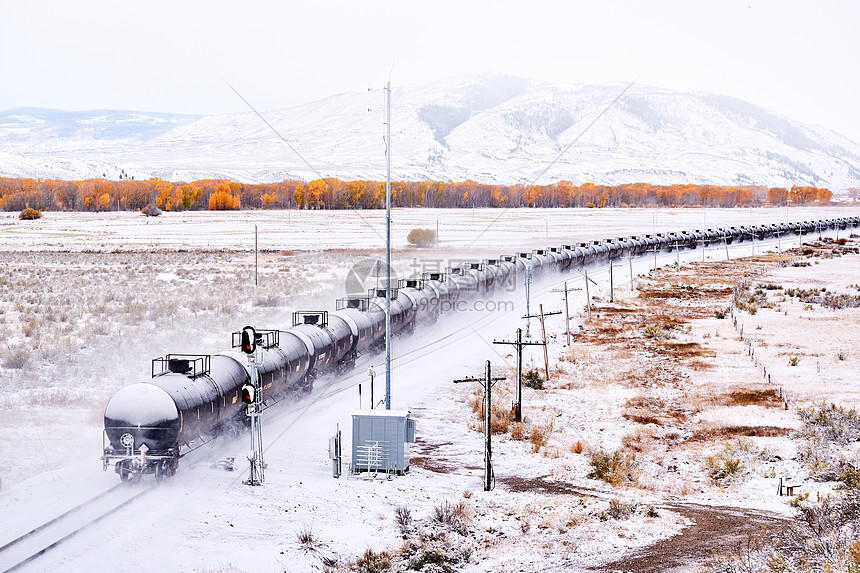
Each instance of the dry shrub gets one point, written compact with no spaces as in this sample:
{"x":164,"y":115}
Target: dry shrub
{"x":577,"y":447}
{"x":518,"y":431}
{"x":500,"y":419}
{"x":421,"y":237}
{"x":403,"y":519}
{"x":616,"y":468}
{"x":373,"y":562}
{"x":477,"y":403}
{"x":16,"y":358}
{"x":454,"y":516}
{"x":539,"y":436}
{"x":533,"y":379}
{"x":617,"y":510}
{"x":639,"y":440}
{"x":308,"y":541}
{"x":29,"y":214}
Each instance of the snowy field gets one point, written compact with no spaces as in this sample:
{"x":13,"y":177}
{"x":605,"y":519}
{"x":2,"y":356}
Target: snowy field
{"x":90,"y":299}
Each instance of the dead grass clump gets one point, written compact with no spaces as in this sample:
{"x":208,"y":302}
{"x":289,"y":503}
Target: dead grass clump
{"x":16,"y":358}
{"x":643,"y":418}
{"x":518,"y":431}
{"x":403,"y":519}
{"x":477,"y":403}
{"x":639,"y":440}
{"x":688,"y":349}
{"x":539,"y":436}
{"x":768,"y":397}
{"x":725,"y":432}
{"x":722,"y":313}
{"x":308,"y":541}
{"x":454,"y":516}
{"x":577,"y":447}
{"x":616,"y":468}
{"x":699,"y":365}
{"x":617,"y":510}
{"x":500,"y":419}
{"x":373,"y":562}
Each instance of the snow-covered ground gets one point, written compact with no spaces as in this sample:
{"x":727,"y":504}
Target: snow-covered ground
{"x":543,"y":515}
{"x":485,"y":230}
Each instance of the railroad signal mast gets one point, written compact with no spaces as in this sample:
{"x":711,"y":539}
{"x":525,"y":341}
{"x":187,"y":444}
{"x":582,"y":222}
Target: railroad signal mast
{"x":251,"y":395}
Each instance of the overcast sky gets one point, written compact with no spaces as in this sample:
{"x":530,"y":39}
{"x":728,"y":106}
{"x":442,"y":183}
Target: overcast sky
{"x":797,"y":58}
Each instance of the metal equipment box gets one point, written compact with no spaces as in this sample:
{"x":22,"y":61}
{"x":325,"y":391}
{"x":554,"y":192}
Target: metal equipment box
{"x":380,"y":441}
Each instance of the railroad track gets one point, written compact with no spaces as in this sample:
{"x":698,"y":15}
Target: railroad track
{"x":31,"y":545}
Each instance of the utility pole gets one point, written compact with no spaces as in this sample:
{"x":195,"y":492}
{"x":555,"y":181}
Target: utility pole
{"x":256,"y":265}
{"x":518,"y":344}
{"x":567,"y":308}
{"x":388,"y":245}
{"x":487,"y":384}
{"x":678,"y":255}
{"x":528,"y":280}
{"x":587,"y":296}
{"x":654,"y":250}
{"x":611,"y":282}
{"x":630,"y":260}
{"x":543,"y":331}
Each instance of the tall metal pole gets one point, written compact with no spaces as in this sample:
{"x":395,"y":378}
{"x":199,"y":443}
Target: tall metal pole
{"x":256,"y":266}
{"x":488,"y":459}
{"x":528,"y":299}
{"x":388,"y":245}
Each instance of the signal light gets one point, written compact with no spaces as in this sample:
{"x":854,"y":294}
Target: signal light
{"x":249,"y":340}
{"x":248,"y":394}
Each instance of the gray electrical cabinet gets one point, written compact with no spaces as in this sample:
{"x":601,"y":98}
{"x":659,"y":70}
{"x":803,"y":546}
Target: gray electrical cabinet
{"x":380,"y":441}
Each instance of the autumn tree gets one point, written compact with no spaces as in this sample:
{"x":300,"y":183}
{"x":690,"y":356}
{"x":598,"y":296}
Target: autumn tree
{"x":222,"y":199}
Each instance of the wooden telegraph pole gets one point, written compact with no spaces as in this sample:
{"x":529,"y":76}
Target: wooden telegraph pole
{"x":487,"y":384}
{"x":566,"y":308}
{"x":543,"y":332}
{"x":518,"y":344}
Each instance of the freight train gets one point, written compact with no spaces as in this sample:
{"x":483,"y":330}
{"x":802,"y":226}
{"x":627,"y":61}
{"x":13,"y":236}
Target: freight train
{"x":193,"y":397}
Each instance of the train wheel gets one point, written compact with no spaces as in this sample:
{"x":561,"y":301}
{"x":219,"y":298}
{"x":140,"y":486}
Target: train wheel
{"x":159,"y":472}
{"x":125,"y":473}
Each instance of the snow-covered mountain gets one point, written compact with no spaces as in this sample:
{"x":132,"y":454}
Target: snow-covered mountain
{"x":494,"y":129}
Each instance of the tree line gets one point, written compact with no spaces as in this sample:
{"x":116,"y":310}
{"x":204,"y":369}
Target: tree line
{"x":17,"y":194}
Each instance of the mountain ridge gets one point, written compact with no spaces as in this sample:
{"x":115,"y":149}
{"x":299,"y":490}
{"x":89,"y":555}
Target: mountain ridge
{"x":491,"y":129}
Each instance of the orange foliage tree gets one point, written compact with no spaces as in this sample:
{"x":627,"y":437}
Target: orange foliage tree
{"x":332,"y":193}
